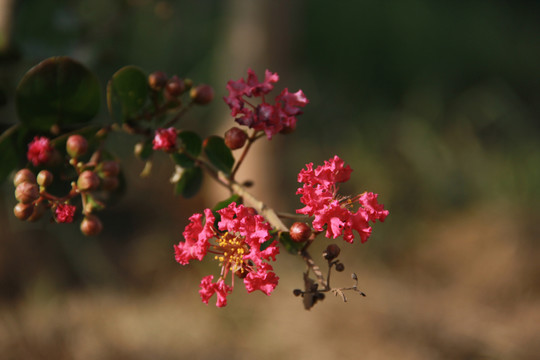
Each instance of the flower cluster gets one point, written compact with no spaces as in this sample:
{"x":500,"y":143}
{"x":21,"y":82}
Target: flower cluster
{"x":271,"y":118}
{"x":39,"y":150}
{"x":64,"y":213}
{"x":239,"y":242}
{"x":320,"y":197}
{"x":165,"y":139}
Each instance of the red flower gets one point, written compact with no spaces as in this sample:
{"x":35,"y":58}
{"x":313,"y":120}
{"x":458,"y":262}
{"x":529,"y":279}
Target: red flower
{"x":165,"y":139}
{"x":336,"y":213}
{"x":236,"y":244}
{"x":270,"y":118}
{"x":64,"y":213}
{"x":39,"y":150}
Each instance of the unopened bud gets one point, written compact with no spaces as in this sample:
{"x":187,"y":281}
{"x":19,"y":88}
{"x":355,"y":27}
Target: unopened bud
{"x":91,"y":225}
{"x":23,"y":211}
{"x":27,"y":192}
{"x":44,"y":178}
{"x":300,"y":232}
{"x":235,"y":138}
{"x":202,"y":94}
{"x":76,"y":146}
{"x":24,"y":175}
{"x":157,"y":80}
{"x":332,"y":251}
{"x":88,"y":180}
{"x":110,"y":168}
{"x":175,"y":87}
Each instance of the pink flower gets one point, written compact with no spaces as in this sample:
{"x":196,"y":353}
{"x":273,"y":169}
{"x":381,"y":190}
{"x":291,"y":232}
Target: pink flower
{"x":235,"y":243}
{"x":332,"y":212}
{"x":270,"y":118}
{"x":64,"y":213}
{"x":165,"y":139}
{"x":39,"y":150}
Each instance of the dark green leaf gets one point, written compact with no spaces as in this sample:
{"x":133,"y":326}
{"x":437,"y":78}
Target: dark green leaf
{"x":223,"y":204}
{"x":183,"y":160}
{"x":291,"y":246}
{"x":127,"y":92}
{"x":219,"y":154}
{"x":57,"y":91}
{"x":190,"y":182}
{"x":190,"y":142}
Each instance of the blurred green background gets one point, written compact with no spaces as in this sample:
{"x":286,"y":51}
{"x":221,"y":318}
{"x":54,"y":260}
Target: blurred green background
{"x":434,"y":104}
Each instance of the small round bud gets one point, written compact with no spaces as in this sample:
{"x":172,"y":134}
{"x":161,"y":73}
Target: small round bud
{"x":157,"y":80}
{"x":175,"y":87}
{"x":88,"y":180}
{"x":27,"y":192}
{"x":332,"y":251}
{"x":235,"y":138}
{"x":44,"y":178}
{"x":91,"y":225}
{"x":24,"y":175}
{"x":76,"y":146}
{"x":300,"y":232}
{"x":297,"y":292}
{"x":23,"y":211}
{"x":340,"y":267}
{"x":188,"y":83}
{"x":202,"y":94}
{"x":110,"y":168}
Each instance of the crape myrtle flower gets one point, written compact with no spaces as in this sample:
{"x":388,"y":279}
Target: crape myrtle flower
{"x":236,"y":244}
{"x":39,"y":150}
{"x":268,"y":117}
{"x":64,"y":213}
{"x":336,"y":213}
{"x":165,"y":139}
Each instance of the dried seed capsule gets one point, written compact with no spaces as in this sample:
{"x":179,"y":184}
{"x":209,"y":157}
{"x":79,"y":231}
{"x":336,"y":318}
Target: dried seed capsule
{"x":340,"y":267}
{"x":332,"y":251}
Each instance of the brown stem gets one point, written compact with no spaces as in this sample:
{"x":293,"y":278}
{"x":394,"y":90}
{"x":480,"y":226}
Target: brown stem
{"x":250,"y":141}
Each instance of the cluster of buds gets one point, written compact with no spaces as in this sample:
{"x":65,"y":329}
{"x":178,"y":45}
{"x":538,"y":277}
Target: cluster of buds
{"x":33,"y":195}
{"x":174,"y":87}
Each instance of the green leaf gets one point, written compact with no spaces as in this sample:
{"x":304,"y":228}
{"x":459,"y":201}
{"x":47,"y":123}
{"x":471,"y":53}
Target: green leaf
{"x":291,"y":246}
{"x":57,"y":91}
{"x":190,"y":182}
{"x":190,"y":142}
{"x":218,"y":153}
{"x":8,"y":153}
{"x":183,"y":160}
{"x":223,"y":204}
{"x":127,"y":92}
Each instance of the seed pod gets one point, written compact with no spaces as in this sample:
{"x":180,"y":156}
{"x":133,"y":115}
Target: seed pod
{"x":300,"y":232}
{"x":332,"y":251}
{"x":76,"y":146}
{"x":340,"y":267}
{"x":91,"y":225}
{"x":235,"y":138}
{"x":24,"y":175}
{"x":26,"y":192}
{"x":88,"y":180}
{"x":202,"y":94}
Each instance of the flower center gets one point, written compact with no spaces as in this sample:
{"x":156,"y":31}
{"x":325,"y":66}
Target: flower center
{"x":231,"y":251}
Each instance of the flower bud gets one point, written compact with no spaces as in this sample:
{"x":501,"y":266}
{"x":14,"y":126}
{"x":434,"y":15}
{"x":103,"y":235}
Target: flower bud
{"x":27,"y":192}
{"x":300,"y":232}
{"x":235,"y":138}
{"x":340,"y":267}
{"x":76,"y":146}
{"x":175,"y":87}
{"x":44,"y":178}
{"x":202,"y":94}
{"x":110,"y":168}
{"x":91,"y":225}
{"x":332,"y":251}
{"x":23,"y":211}
{"x":157,"y":80}
{"x":24,"y":175}
{"x":88,"y":180}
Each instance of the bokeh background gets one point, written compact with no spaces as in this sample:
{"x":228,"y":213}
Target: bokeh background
{"x":434,"y":104}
